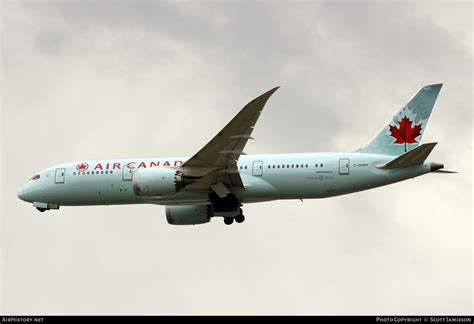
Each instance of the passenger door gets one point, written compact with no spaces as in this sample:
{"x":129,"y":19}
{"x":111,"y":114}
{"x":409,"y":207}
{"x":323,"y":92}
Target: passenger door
{"x":59,"y":175}
{"x":126,"y":173}
{"x":257,"y":168}
{"x":343,"y":166}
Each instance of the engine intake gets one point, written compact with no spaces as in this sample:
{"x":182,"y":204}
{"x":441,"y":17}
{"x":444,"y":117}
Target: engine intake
{"x":158,"y":181}
{"x":189,"y":214}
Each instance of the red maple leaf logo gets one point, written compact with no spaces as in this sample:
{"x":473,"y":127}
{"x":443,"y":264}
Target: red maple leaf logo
{"x":404,"y":133}
{"x":82,"y":167}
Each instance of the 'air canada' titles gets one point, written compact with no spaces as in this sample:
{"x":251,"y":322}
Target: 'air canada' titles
{"x":129,"y":165}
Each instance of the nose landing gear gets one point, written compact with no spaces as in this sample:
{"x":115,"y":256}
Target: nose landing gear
{"x":42,"y":207}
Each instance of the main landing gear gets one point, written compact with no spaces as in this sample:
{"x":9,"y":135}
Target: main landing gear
{"x":41,"y":209}
{"x":238,"y":219}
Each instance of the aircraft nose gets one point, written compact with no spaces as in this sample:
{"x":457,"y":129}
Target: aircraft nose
{"x":21,"y":194}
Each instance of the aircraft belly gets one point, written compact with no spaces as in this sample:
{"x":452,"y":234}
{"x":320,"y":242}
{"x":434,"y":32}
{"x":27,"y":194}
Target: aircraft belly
{"x":92,"y":191}
{"x":183,"y":197}
{"x":303,"y":184}
{"x":372,"y":177}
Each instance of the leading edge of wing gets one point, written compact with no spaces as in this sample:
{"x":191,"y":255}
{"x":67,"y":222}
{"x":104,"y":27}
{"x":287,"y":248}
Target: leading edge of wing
{"x":228,"y":144}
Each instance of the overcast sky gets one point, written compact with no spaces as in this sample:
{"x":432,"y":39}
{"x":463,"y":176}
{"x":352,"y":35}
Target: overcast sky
{"x":96,"y":80}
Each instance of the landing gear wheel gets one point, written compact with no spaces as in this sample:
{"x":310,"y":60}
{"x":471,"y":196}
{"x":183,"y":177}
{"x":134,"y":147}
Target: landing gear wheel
{"x":240,"y":218}
{"x":228,"y":220}
{"x":41,"y":209}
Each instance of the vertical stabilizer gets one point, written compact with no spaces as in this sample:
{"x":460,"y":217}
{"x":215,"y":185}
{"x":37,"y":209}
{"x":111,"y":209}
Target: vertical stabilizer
{"x":404,"y":132}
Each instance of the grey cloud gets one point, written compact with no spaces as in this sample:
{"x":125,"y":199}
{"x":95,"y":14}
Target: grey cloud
{"x":111,"y":79}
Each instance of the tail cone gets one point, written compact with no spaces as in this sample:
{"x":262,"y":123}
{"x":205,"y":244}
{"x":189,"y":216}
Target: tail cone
{"x":436,"y":166}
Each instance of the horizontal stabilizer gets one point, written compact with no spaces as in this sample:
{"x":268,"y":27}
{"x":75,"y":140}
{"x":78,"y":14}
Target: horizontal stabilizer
{"x":414,"y":157}
{"x":445,"y":171}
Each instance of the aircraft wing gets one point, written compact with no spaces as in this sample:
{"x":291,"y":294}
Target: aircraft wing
{"x":217,"y":161}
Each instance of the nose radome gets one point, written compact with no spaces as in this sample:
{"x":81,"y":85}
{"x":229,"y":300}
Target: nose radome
{"x":21,"y":194}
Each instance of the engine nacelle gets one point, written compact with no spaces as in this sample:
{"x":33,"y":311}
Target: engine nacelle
{"x":188,"y":215}
{"x":154,"y":182}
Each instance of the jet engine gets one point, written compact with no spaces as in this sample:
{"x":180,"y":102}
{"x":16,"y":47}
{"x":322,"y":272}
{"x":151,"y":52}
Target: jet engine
{"x":158,"y":181}
{"x":188,"y":215}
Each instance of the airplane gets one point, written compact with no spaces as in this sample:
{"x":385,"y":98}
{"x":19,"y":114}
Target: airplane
{"x":220,"y":178}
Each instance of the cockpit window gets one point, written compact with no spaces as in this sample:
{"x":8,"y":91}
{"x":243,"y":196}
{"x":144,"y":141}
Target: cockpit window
{"x":36,"y":177}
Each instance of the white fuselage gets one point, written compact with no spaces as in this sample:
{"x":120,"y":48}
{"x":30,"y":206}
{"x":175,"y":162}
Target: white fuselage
{"x":265,"y":177}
